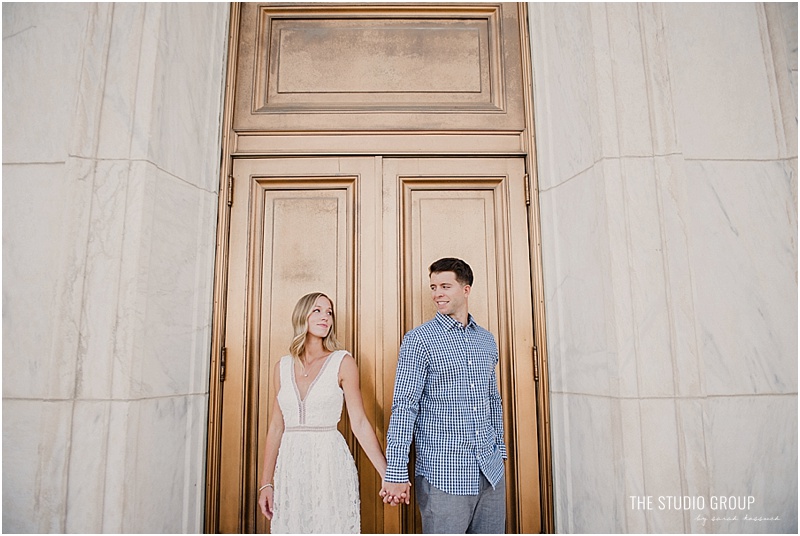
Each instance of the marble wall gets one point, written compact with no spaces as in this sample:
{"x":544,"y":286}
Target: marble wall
{"x":111,"y":135}
{"x":667,"y":152}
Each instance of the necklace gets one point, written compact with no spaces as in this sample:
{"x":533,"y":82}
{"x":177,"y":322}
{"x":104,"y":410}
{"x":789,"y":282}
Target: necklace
{"x":315,"y":361}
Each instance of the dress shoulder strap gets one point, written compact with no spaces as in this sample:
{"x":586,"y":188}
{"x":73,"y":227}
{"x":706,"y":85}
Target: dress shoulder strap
{"x":336,"y":360}
{"x":285,"y":368}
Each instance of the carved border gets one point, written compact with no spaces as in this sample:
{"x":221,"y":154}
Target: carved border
{"x":537,"y":286}
{"x":213,"y":442}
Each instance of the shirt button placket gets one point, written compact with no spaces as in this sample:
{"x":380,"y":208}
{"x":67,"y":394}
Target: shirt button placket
{"x":473,"y":395}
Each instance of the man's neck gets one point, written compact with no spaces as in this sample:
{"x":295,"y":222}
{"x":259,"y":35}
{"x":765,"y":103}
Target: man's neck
{"x":461,"y":317}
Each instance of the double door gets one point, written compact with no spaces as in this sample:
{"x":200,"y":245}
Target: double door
{"x":363,"y":230}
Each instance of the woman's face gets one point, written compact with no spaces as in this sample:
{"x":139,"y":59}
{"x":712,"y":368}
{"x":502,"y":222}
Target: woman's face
{"x":320,"y":320}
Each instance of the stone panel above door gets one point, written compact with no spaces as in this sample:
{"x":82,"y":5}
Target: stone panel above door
{"x":391,"y":70}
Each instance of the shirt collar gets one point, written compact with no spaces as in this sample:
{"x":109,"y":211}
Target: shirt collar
{"x":450,"y":323}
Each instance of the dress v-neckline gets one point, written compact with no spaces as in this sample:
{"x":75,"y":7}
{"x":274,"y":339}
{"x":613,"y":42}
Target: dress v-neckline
{"x":302,"y":399}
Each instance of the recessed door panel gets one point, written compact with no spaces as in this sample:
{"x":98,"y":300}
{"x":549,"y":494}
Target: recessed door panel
{"x":292,"y":232}
{"x":475,"y":209}
{"x":451,"y":222}
{"x":379,"y":67}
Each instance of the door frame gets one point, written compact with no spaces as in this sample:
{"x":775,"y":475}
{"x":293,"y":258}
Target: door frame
{"x":217,"y":368}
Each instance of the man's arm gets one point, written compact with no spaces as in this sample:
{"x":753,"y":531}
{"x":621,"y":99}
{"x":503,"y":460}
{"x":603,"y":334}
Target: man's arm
{"x":408,"y":385}
{"x":496,"y":412}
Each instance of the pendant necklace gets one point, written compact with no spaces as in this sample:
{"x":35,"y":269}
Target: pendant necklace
{"x":305,"y":371}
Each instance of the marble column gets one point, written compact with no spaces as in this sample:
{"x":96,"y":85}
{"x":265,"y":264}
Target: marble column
{"x":111,"y":129}
{"x":667,"y":152}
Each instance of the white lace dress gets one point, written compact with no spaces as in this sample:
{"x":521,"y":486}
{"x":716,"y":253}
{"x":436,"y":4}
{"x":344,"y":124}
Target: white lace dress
{"x":316,"y":483}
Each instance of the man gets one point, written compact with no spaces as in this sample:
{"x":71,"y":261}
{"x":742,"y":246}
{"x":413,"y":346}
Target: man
{"x":446,"y":397}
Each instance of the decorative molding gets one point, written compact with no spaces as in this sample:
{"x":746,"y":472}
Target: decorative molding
{"x":383,"y":143}
{"x":537,"y":285}
{"x":377,"y":67}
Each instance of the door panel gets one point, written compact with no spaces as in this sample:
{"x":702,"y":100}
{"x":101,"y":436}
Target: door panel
{"x":475,"y":209}
{"x":305,"y":249}
{"x":364,"y":230}
{"x":292,"y":232}
{"x":447,"y":221}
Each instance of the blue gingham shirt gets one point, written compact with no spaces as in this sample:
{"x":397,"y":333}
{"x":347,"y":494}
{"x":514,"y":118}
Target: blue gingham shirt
{"x":445,"y":395}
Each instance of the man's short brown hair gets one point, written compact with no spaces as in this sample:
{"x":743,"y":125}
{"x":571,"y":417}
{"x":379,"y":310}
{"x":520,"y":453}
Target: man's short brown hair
{"x":457,"y":266}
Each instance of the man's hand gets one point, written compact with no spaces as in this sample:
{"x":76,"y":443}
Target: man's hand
{"x":394,"y":493}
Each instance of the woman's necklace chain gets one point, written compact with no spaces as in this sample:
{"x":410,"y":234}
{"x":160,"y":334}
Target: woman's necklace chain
{"x":307,"y":368}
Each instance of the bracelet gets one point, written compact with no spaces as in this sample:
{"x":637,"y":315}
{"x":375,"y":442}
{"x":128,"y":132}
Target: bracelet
{"x":265,"y":486}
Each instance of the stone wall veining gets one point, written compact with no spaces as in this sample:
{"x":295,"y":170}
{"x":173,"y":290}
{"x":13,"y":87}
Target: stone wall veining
{"x":111,"y":124}
{"x":666,"y":141}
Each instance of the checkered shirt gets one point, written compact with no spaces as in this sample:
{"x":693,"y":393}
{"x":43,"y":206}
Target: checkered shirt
{"x":445,"y":395}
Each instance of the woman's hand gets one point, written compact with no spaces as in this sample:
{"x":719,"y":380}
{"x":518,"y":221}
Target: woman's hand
{"x":265,"y":499}
{"x":395,"y":494}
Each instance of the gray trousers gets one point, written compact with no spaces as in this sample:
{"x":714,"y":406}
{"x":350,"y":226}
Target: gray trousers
{"x":442,"y":512}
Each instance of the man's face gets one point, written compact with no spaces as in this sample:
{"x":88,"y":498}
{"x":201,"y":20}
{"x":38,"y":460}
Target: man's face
{"x":449,"y":296}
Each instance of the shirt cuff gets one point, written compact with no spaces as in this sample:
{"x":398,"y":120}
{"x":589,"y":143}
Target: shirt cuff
{"x":503,"y":453}
{"x":396,"y":475}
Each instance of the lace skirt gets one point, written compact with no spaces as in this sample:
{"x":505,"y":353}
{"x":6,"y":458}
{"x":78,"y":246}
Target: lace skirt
{"x":316,"y":485}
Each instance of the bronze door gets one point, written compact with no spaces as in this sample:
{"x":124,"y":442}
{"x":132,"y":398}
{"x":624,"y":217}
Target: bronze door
{"x":363,"y":230}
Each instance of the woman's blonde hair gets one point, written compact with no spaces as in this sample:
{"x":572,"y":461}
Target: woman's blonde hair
{"x":300,"y":324}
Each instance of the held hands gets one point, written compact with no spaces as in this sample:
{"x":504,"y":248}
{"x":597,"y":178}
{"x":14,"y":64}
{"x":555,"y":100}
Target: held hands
{"x":394,"y":493}
{"x":265,"y":499}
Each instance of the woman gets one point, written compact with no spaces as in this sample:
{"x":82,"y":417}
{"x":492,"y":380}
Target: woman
{"x":315,"y":487}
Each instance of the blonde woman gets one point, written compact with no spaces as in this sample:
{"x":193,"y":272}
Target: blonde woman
{"x":309,"y":483}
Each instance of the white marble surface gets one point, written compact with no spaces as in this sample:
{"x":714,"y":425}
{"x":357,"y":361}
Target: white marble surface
{"x":670,"y":259}
{"x":189,"y":76}
{"x":108,"y":257}
{"x":562,"y":55}
{"x":88,"y":463}
{"x":159,"y":111}
{"x":629,"y":85}
{"x":645,"y":252}
{"x":656,"y":64}
{"x":674,"y":199}
{"x":39,"y":96}
{"x":585,"y":479}
{"x":663,"y":470}
{"x":622,"y":341}
{"x":147,"y":293}
{"x":781,"y":27}
{"x":163,"y":480}
{"x":121,"y":463}
{"x":630,"y":471}
{"x":690,"y":416}
{"x":31,"y":270}
{"x":157,"y":487}
{"x":752,"y":450}
{"x":575,"y":273}
{"x":724,"y":106}
{"x":177,"y":321}
{"x":744,"y":258}
{"x":123,"y":88}
{"x":104,"y":251}
{"x":36,"y":443}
